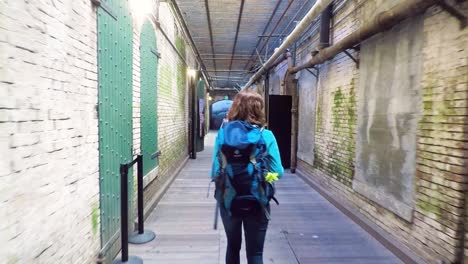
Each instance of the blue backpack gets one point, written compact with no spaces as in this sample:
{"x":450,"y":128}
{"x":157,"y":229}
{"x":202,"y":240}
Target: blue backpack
{"x":240,"y":183}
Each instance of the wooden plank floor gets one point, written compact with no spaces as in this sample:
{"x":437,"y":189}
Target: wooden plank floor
{"x":304,"y":229}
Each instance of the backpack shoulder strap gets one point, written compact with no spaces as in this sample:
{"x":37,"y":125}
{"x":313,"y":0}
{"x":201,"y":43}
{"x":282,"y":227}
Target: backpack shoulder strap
{"x":253,"y":160}
{"x":223,"y":160}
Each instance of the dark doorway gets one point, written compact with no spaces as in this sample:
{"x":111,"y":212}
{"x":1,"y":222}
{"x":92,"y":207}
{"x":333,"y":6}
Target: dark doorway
{"x":279,"y":121}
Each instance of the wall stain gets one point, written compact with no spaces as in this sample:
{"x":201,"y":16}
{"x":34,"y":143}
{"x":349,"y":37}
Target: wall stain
{"x":95,"y":218}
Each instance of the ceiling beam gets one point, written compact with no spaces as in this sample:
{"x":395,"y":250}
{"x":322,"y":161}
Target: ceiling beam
{"x":302,"y":9}
{"x":237,"y":71}
{"x":237,"y":32}
{"x":181,"y":20}
{"x":264,"y":31}
{"x":213,"y":58}
{"x":224,"y":54}
{"x":208,"y":17}
{"x":226,"y":78}
{"x":276,"y":25}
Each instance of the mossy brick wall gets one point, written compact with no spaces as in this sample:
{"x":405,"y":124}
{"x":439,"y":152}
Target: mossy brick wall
{"x":172,"y":101}
{"x":49,"y":171}
{"x":437,"y":230}
{"x":49,"y":127}
{"x":335,"y":119}
{"x":442,"y":164}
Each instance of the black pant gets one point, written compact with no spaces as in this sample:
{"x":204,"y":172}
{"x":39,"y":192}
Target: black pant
{"x":255,"y":227}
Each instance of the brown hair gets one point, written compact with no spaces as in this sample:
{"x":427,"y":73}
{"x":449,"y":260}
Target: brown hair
{"x":248,"y":107}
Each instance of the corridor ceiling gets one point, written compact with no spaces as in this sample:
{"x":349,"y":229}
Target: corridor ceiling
{"x":228,"y":33}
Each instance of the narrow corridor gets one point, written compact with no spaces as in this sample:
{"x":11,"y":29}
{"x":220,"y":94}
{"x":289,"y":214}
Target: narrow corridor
{"x":103,"y":103}
{"x":305,"y":228}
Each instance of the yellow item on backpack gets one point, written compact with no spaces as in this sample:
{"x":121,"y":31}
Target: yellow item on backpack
{"x":271,"y":177}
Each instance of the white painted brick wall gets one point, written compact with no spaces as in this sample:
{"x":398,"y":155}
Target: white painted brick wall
{"x":172,"y":120}
{"x":136,"y":87}
{"x":48,"y":132}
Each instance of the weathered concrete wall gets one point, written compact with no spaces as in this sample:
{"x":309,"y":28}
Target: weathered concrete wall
{"x":276,"y":79}
{"x":389,"y":103}
{"x":431,"y":142}
{"x":49,"y":175}
{"x":307,"y":86}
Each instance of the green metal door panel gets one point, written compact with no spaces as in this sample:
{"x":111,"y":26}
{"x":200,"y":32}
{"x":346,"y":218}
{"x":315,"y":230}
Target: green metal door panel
{"x":149,"y":81}
{"x":115,"y":111}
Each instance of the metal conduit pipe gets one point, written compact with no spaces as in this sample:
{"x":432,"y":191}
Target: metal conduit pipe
{"x":382,"y":22}
{"x":325,"y":27}
{"x":319,"y":6}
{"x":291,"y":89}
{"x":291,"y":84}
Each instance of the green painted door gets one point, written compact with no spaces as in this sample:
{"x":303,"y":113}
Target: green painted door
{"x":149,"y":82}
{"x":115,"y":113}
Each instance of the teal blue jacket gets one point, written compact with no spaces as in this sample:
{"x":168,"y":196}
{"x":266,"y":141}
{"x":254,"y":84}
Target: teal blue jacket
{"x":273,"y":154}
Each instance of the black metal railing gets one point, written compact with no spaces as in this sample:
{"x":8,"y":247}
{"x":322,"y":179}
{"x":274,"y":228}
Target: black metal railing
{"x":141,"y":236}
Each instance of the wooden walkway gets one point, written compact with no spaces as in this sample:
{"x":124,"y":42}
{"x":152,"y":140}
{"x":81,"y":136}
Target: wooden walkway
{"x":304,"y":229}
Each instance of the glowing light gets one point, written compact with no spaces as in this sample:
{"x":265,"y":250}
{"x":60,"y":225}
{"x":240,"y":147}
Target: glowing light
{"x":191,"y":73}
{"x":141,"y":8}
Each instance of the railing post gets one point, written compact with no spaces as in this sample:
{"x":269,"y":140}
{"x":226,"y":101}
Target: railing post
{"x":124,"y":210}
{"x":125,"y":259}
{"x":140,"y":195}
{"x":141,"y":236}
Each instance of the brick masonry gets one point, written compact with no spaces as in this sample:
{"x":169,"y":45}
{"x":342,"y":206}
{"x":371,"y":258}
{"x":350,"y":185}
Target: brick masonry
{"x":436,"y":231}
{"x":49,"y":178}
{"x":49,"y":169}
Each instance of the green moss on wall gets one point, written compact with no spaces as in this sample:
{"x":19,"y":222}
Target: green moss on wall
{"x":337,"y":102}
{"x":165,"y":84}
{"x":319,"y":120}
{"x":427,"y":207}
{"x":335,"y":151}
{"x":174,"y":152}
{"x":351,"y":111}
{"x":95,"y":218}
{"x":12,"y":259}
{"x":181,"y":73}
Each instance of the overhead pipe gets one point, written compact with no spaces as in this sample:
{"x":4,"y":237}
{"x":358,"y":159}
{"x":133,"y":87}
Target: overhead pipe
{"x":301,"y":27}
{"x":291,"y":89}
{"x":382,"y":22}
{"x":276,"y":63}
{"x":293,"y":19}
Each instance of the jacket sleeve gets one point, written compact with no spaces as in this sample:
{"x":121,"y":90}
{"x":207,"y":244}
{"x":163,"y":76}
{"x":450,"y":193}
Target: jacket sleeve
{"x":274,"y":158}
{"x":215,"y":162}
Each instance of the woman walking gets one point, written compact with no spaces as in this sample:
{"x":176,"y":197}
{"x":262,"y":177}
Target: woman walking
{"x":246,"y":162}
